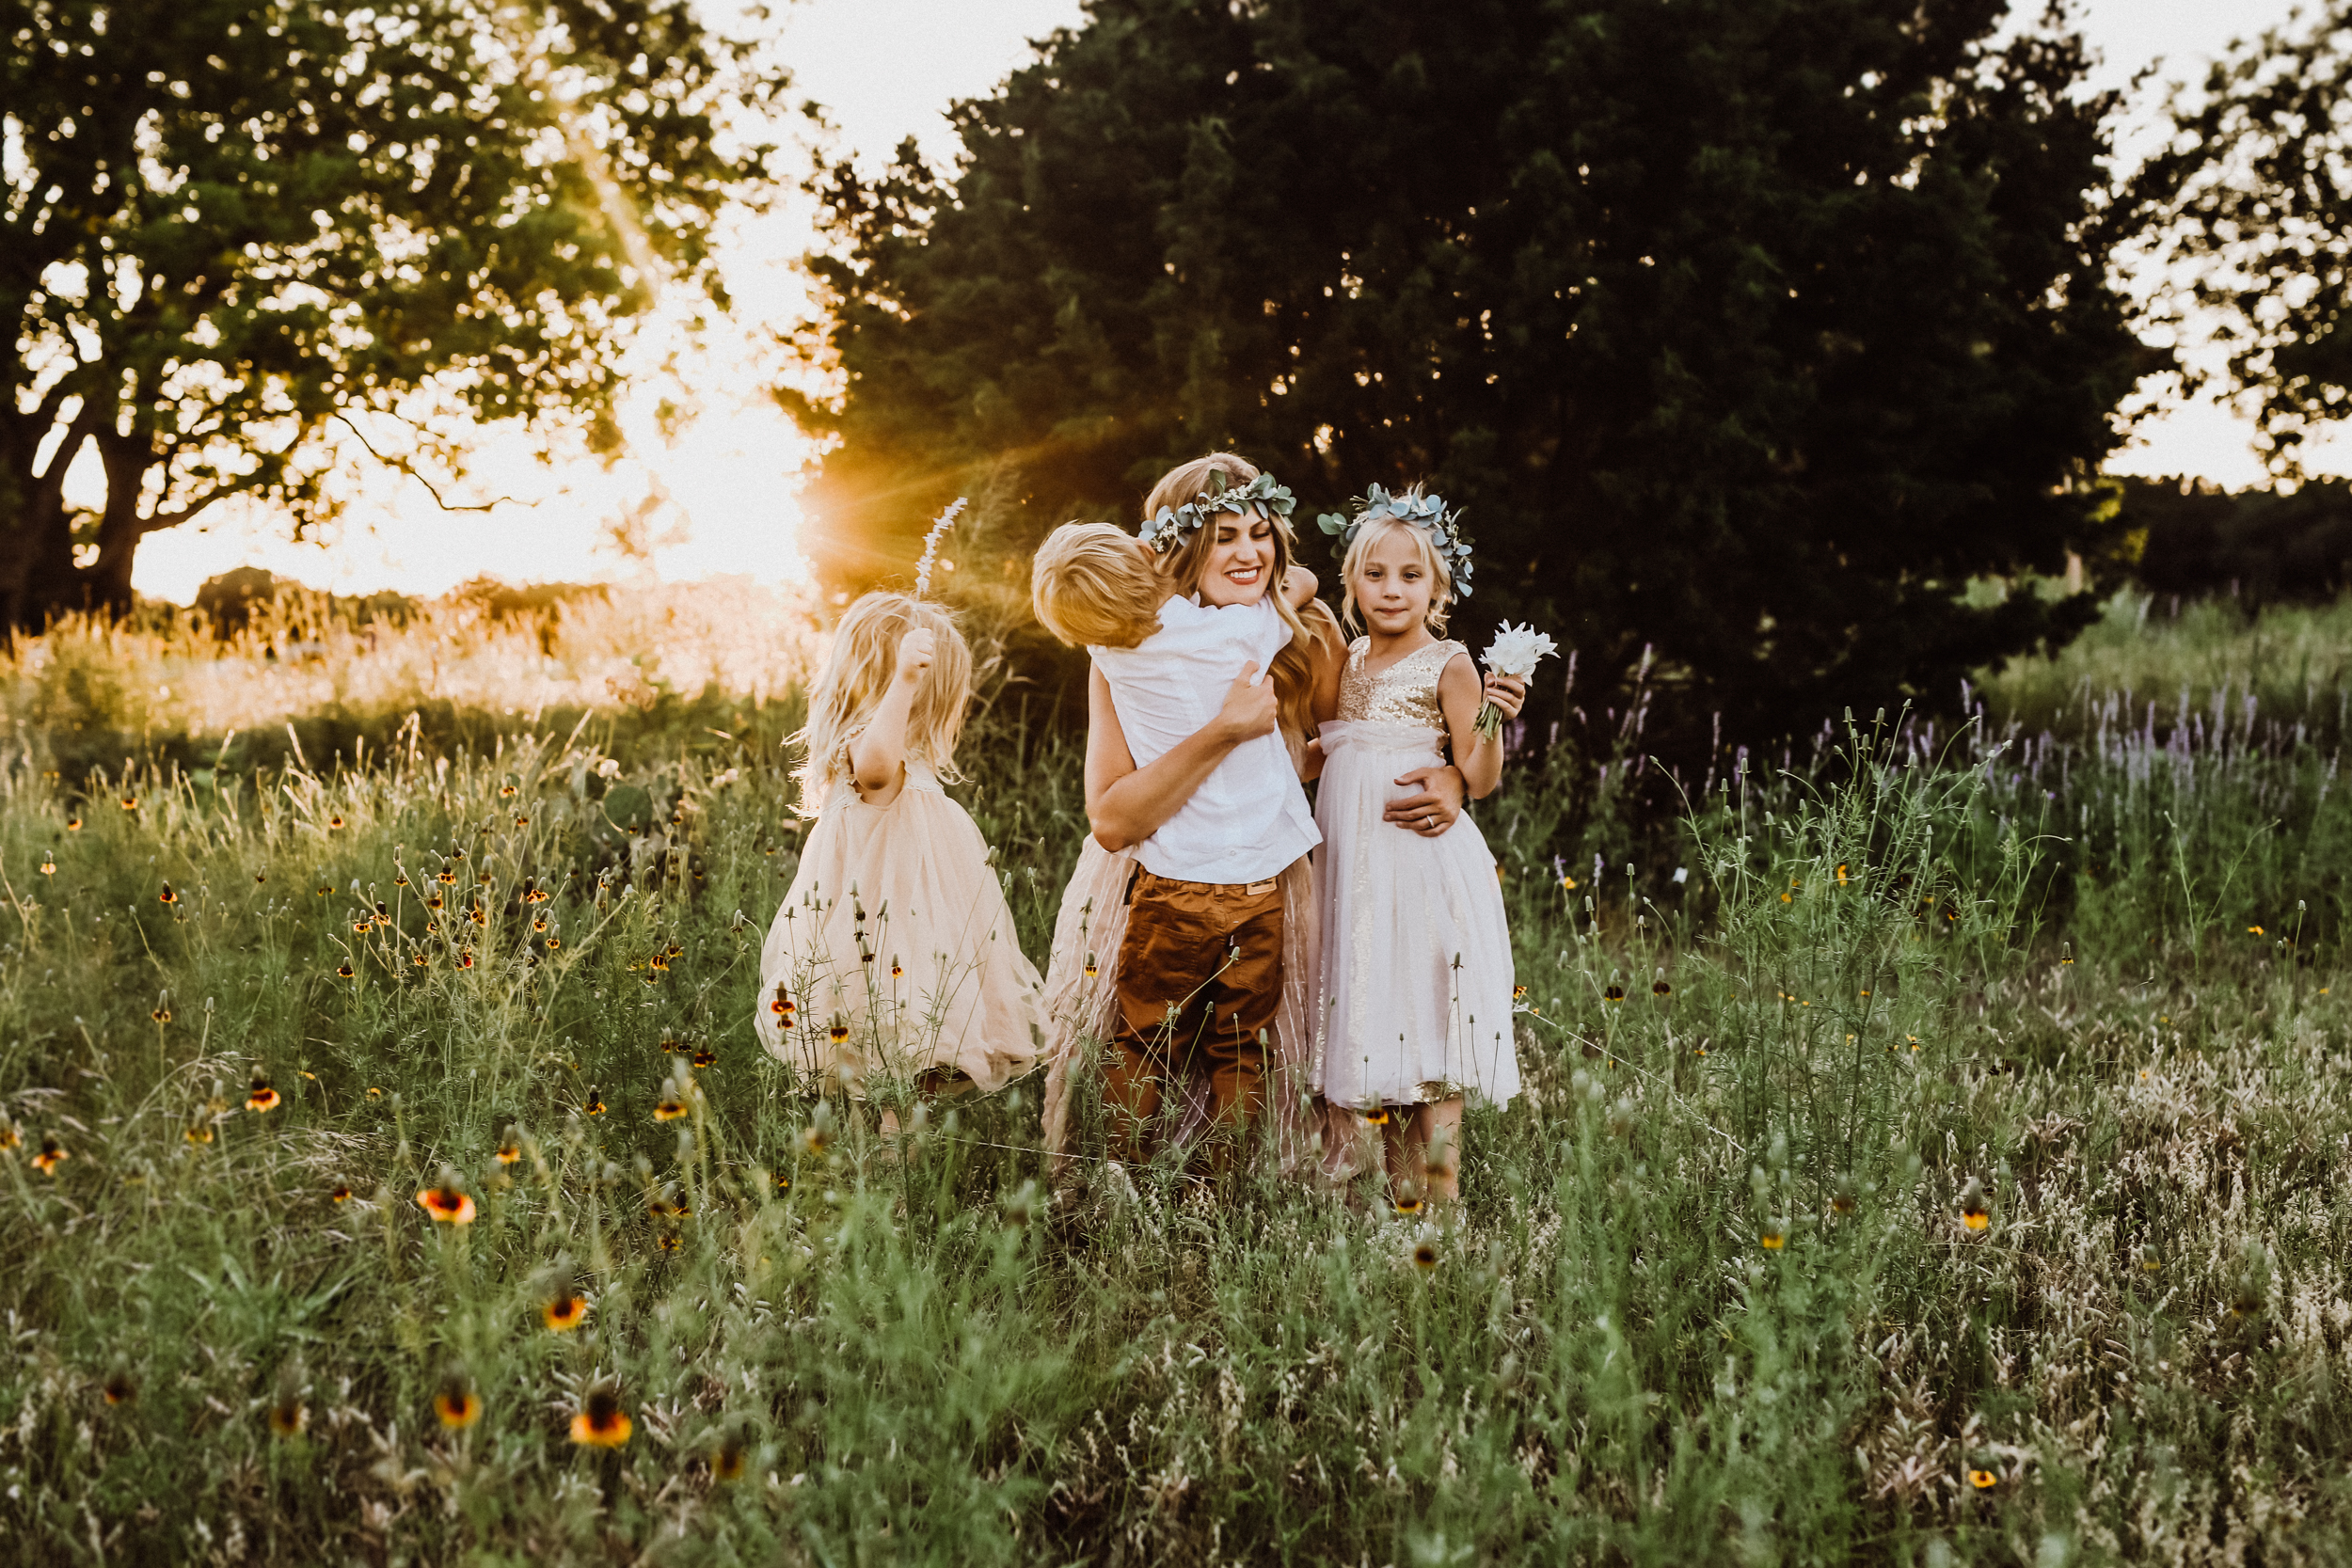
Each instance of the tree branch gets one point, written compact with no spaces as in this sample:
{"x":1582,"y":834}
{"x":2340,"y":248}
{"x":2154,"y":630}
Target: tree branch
{"x":409,"y":468}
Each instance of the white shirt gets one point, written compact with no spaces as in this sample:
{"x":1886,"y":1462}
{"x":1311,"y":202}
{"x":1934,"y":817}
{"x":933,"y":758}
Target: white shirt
{"x":1250,"y":818}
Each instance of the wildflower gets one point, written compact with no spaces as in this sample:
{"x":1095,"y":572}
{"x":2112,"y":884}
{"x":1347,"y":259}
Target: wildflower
{"x":594,"y":1106}
{"x":506,"y":792}
{"x":448,"y":1203}
{"x":704,"y":1056}
{"x":400,"y":878}
{"x":895,"y":972}
{"x":73,"y":824}
{"x":168,"y":896}
{"x":465,"y":957}
{"x":457,"y":1404}
{"x":335,"y":823}
{"x":344,"y":971}
{"x":1408,"y":1202}
{"x":839,"y":1031}
{"x":340,"y":1192}
{"x":1614,"y":993}
{"x":374,"y":1093}
{"x":726,"y":1459}
{"x":815,"y":1139}
{"x":565,"y":1311}
{"x":2150,"y":1262}
{"x":1976,"y":1209}
{"x":9,"y":1138}
{"x":669,"y":1046}
{"x":538,"y":925}
{"x":1983,"y":1481}
{"x":783,"y":1183}
{"x":1841,"y":876}
{"x":1425,"y":1256}
{"x":1774,"y":1235}
{"x":419,"y":959}
{"x":1377,"y":1116}
{"x":509,"y":1146}
{"x":1842,"y":1198}
{"x":1092,"y":970}
{"x":162,"y":1013}
{"x":362,"y":925}
{"x":262,"y":1097}
{"x":446,"y":877}
{"x":48,"y":865}
{"x":323,"y":889}
{"x":200,"y":1130}
{"x":1660,"y":989}
{"x":669,"y":1241}
{"x":554,"y":943}
{"x":2253,"y":930}
{"x":118,"y":1389}
{"x":130,"y":802}
{"x":288,"y":1415}
{"x":669,"y":1203}
{"x":669,"y":1108}
{"x":659,"y":964}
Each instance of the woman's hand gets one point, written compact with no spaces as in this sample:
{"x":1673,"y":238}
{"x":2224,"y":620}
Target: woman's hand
{"x":1434,"y":810}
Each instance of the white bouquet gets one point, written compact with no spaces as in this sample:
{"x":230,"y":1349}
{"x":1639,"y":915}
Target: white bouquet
{"x":1515,"y":651}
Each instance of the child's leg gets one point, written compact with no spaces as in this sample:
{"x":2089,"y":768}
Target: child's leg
{"x":1423,"y":1148}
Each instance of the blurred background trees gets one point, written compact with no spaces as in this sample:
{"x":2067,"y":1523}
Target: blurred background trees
{"x":1748,"y":331}
{"x":225,"y":222}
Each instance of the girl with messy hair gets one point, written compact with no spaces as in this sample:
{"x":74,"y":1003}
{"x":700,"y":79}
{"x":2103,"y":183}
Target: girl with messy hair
{"x":893,"y":968}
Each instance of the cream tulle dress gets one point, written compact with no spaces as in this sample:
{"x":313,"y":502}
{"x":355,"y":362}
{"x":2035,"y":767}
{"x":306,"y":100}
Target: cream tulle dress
{"x":896,"y":952}
{"x":1414,"y":1003}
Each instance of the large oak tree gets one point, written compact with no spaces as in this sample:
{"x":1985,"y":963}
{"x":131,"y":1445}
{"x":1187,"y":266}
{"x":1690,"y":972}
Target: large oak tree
{"x":225,"y":222}
{"x":1748,"y":331}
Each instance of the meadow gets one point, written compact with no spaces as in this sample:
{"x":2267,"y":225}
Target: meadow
{"x":1935,"y":1150}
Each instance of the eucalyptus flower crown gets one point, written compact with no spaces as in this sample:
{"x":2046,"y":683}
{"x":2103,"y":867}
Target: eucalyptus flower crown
{"x":1429,"y":514}
{"x":1168,"y":532}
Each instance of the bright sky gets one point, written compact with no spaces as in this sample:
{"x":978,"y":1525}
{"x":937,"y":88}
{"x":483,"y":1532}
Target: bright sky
{"x":723,"y":486}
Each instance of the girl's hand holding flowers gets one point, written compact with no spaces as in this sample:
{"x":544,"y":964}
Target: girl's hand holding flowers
{"x":1511,"y":658}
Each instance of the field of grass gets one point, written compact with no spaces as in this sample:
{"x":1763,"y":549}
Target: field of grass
{"x":1937,"y":1149}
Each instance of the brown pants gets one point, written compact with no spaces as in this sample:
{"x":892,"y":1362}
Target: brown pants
{"x":1199,"y":975}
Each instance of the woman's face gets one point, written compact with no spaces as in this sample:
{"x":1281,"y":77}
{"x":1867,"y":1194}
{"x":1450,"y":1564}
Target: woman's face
{"x":1392,"y":585}
{"x":1240,"y":562}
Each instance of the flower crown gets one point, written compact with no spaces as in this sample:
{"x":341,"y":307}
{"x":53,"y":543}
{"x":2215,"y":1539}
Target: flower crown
{"x":1168,"y":532}
{"x":1429,"y":514}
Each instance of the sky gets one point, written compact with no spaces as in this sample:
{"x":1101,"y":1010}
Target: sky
{"x":717,"y":494}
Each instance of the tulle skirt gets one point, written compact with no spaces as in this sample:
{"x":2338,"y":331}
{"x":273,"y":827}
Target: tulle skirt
{"x":1414,"y":1000}
{"x":897,"y":952}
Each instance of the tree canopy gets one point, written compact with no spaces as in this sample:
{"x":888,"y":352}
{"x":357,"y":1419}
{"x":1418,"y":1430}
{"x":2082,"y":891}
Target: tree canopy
{"x":1747,"y":332}
{"x":225,"y":222}
{"x":2251,"y":197}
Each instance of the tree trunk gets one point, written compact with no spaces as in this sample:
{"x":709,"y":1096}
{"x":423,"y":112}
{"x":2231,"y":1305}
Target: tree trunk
{"x":38,"y":581}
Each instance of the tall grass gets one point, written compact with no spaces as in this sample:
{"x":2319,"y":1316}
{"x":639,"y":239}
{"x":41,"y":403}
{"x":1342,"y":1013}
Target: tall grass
{"x":1713,"y":1294}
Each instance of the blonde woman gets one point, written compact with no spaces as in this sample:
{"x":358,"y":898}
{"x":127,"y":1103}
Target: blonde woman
{"x":893,"y":968}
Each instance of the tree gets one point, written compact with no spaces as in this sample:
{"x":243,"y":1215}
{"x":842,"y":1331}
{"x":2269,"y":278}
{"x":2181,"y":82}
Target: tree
{"x":2251,"y":199}
{"x":225,"y":222}
{"x":1747,"y":330}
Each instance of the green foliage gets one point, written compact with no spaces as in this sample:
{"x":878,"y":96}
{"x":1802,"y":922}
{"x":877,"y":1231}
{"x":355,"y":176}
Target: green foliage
{"x":1747,"y":332}
{"x":2246,"y":199}
{"x":229,"y":221}
{"x":919,"y":1356}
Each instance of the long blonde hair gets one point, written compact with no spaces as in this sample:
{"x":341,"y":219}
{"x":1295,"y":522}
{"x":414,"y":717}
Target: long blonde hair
{"x":858,"y":670}
{"x":1293,"y":669}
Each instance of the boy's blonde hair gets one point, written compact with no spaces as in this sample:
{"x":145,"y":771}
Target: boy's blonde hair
{"x":1093,"y":588}
{"x":1370,"y":531}
{"x":1293,"y":669}
{"x":858,"y":670}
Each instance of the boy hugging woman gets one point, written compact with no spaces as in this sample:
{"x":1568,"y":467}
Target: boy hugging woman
{"x":1191,"y":942}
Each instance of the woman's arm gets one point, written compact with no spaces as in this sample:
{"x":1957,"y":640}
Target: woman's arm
{"x":1127,"y":804}
{"x":1461,"y":694}
{"x":879,"y":755}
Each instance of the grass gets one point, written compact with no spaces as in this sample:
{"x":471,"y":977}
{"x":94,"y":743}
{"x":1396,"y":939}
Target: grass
{"x":2016,"y":958}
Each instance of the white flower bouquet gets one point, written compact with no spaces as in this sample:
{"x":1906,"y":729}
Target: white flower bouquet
{"x":1515,"y":651}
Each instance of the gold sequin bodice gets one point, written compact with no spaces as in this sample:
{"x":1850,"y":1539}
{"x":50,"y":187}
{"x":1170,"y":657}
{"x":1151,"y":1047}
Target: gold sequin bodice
{"x":1404,"y":693}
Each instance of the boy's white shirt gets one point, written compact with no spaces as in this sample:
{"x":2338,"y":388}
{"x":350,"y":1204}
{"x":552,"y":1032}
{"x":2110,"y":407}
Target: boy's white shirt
{"x":1248,"y":819}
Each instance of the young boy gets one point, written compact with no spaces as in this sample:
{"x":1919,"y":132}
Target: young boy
{"x":1185,"y":720}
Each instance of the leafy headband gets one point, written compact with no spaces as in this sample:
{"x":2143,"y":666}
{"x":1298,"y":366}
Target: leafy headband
{"x":1429,"y":514}
{"x":1168,"y":532}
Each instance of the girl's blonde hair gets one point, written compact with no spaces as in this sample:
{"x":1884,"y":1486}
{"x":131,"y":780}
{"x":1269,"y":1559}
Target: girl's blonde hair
{"x":1293,"y":669}
{"x":1370,"y":531}
{"x":858,"y":670}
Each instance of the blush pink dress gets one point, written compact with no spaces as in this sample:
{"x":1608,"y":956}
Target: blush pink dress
{"x":896,"y":952}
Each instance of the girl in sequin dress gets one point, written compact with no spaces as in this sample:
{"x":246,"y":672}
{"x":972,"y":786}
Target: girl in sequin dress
{"x":1414,"y":1000}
